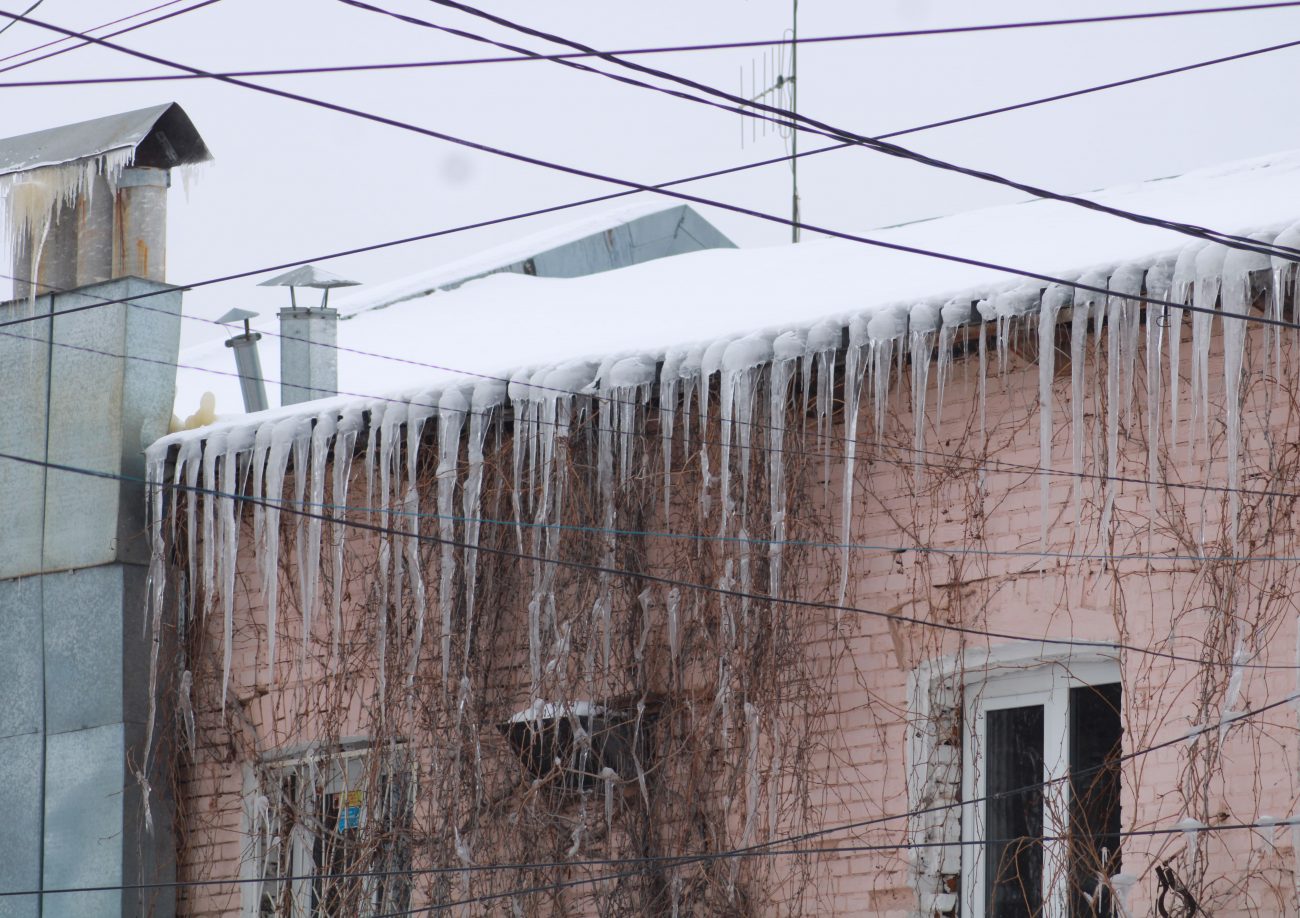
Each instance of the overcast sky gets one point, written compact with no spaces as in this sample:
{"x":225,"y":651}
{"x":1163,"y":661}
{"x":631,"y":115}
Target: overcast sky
{"x":290,"y":181}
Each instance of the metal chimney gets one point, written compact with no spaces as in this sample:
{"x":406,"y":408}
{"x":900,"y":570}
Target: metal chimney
{"x":308,"y":337}
{"x":87,"y":202}
{"x":247,"y":361}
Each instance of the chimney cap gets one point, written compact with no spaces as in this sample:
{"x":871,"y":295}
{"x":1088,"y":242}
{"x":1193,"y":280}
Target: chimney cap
{"x":161,"y":136}
{"x":309,"y":276}
{"x":236,"y":315}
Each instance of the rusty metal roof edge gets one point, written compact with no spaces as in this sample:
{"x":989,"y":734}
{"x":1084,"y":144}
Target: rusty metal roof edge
{"x":177,"y":141}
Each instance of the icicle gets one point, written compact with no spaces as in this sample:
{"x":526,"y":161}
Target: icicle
{"x":389,"y":440}
{"x":214,"y":447}
{"x":1055,"y":298}
{"x":669,"y":380}
{"x":690,"y":373}
{"x":519,"y":393}
{"x":871,"y":340}
{"x":754,"y":783}
{"x":321,"y":440}
{"x":877,"y":335}
{"x":787,"y":349}
{"x":1086,"y":304}
{"x":1124,"y":283}
{"x":610,"y":777}
{"x":565,"y":385}
{"x":1180,"y":291}
{"x":955,"y":314}
{"x":674,"y":625}
{"x":824,"y":340}
{"x":710,"y":363}
{"x":418,"y":411}
{"x":1005,"y":307}
{"x":345,"y":441}
{"x":986,"y":312}
{"x":488,"y":397}
{"x":284,"y":435}
{"x":1236,"y":300}
{"x":1159,"y":278}
{"x":187,"y":469}
{"x":1285,"y":287}
{"x":1209,"y":271}
{"x":452,"y":408}
{"x":35,"y":199}
{"x":1128,"y":280}
{"x":742,"y":364}
{"x":924,"y":323}
{"x":237,"y":442}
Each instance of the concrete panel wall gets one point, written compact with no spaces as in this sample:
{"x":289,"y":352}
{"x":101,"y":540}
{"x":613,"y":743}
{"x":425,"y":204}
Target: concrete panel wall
{"x":19,"y":855}
{"x":75,"y":661}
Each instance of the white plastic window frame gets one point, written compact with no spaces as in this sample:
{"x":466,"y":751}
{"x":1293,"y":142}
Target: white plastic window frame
{"x":1009,"y":679}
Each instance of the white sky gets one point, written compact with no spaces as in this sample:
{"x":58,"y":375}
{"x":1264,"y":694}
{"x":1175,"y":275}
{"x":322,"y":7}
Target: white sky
{"x":291,"y":181}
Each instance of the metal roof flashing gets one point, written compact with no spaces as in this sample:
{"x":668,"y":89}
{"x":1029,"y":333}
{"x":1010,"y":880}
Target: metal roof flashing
{"x":161,"y":136}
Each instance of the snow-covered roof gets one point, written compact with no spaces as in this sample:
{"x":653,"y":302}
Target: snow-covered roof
{"x":654,"y":228}
{"x":503,"y":324}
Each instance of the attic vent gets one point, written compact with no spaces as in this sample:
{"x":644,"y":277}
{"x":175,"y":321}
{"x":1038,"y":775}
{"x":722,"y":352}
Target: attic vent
{"x":573,"y":744}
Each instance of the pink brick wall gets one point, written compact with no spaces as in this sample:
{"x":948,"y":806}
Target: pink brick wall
{"x":862,"y":765}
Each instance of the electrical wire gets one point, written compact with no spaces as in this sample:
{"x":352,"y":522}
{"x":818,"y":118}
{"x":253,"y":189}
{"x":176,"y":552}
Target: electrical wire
{"x":419,"y":65}
{"x":790,"y":119}
{"x":727,"y":540}
{"x":10,"y":24}
{"x":584,"y":173}
{"x":88,"y":40}
{"x":103,"y":25}
{"x":943,"y":460}
{"x":588,"y":567}
{"x":760,"y":849}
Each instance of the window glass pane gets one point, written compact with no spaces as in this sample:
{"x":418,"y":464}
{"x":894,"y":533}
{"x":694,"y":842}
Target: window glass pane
{"x":1013,"y":858}
{"x":1095,"y":747}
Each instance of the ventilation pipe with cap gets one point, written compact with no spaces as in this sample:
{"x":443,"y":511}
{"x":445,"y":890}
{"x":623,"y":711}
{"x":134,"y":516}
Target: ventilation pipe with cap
{"x":247,"y":362}
{"x":309,"y":366}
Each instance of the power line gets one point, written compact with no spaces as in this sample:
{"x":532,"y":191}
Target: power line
{"x":103,"y":25}
{"x":584,"y":173}
{"x":592,"y":568}
{"x":419,"y":65}
{"x":123,"y":31}
{"x":943,"y":460}
{"x":756,"y":850}
{"x":791,"y":119}
{"x":10,"y":24}
{"x":696,"y":537}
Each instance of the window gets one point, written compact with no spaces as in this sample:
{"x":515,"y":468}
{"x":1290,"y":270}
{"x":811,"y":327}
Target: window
{"x":577,"y":744}
{"x":317,"y":817}
{"x":1034,"y":848}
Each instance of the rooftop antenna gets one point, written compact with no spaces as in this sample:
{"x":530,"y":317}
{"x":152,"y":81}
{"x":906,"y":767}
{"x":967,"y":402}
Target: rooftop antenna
{"x":780,"y":83}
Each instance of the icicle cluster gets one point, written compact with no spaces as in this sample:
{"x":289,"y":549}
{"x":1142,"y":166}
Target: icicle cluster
{"x":33,"y":199}
{"x":721,"y":408}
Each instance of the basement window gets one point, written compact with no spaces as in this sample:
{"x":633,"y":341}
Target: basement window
{"x":576,"y":745}
{"x":1035,"y":848}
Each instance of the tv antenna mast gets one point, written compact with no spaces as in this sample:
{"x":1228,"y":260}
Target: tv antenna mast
{"x":780,"y":83}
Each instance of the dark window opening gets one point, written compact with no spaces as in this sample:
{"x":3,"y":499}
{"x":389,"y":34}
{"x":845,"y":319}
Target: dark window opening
{"x":1095,"y":747}
{"x":576,"y":744}
{"x":1013,"y":864}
